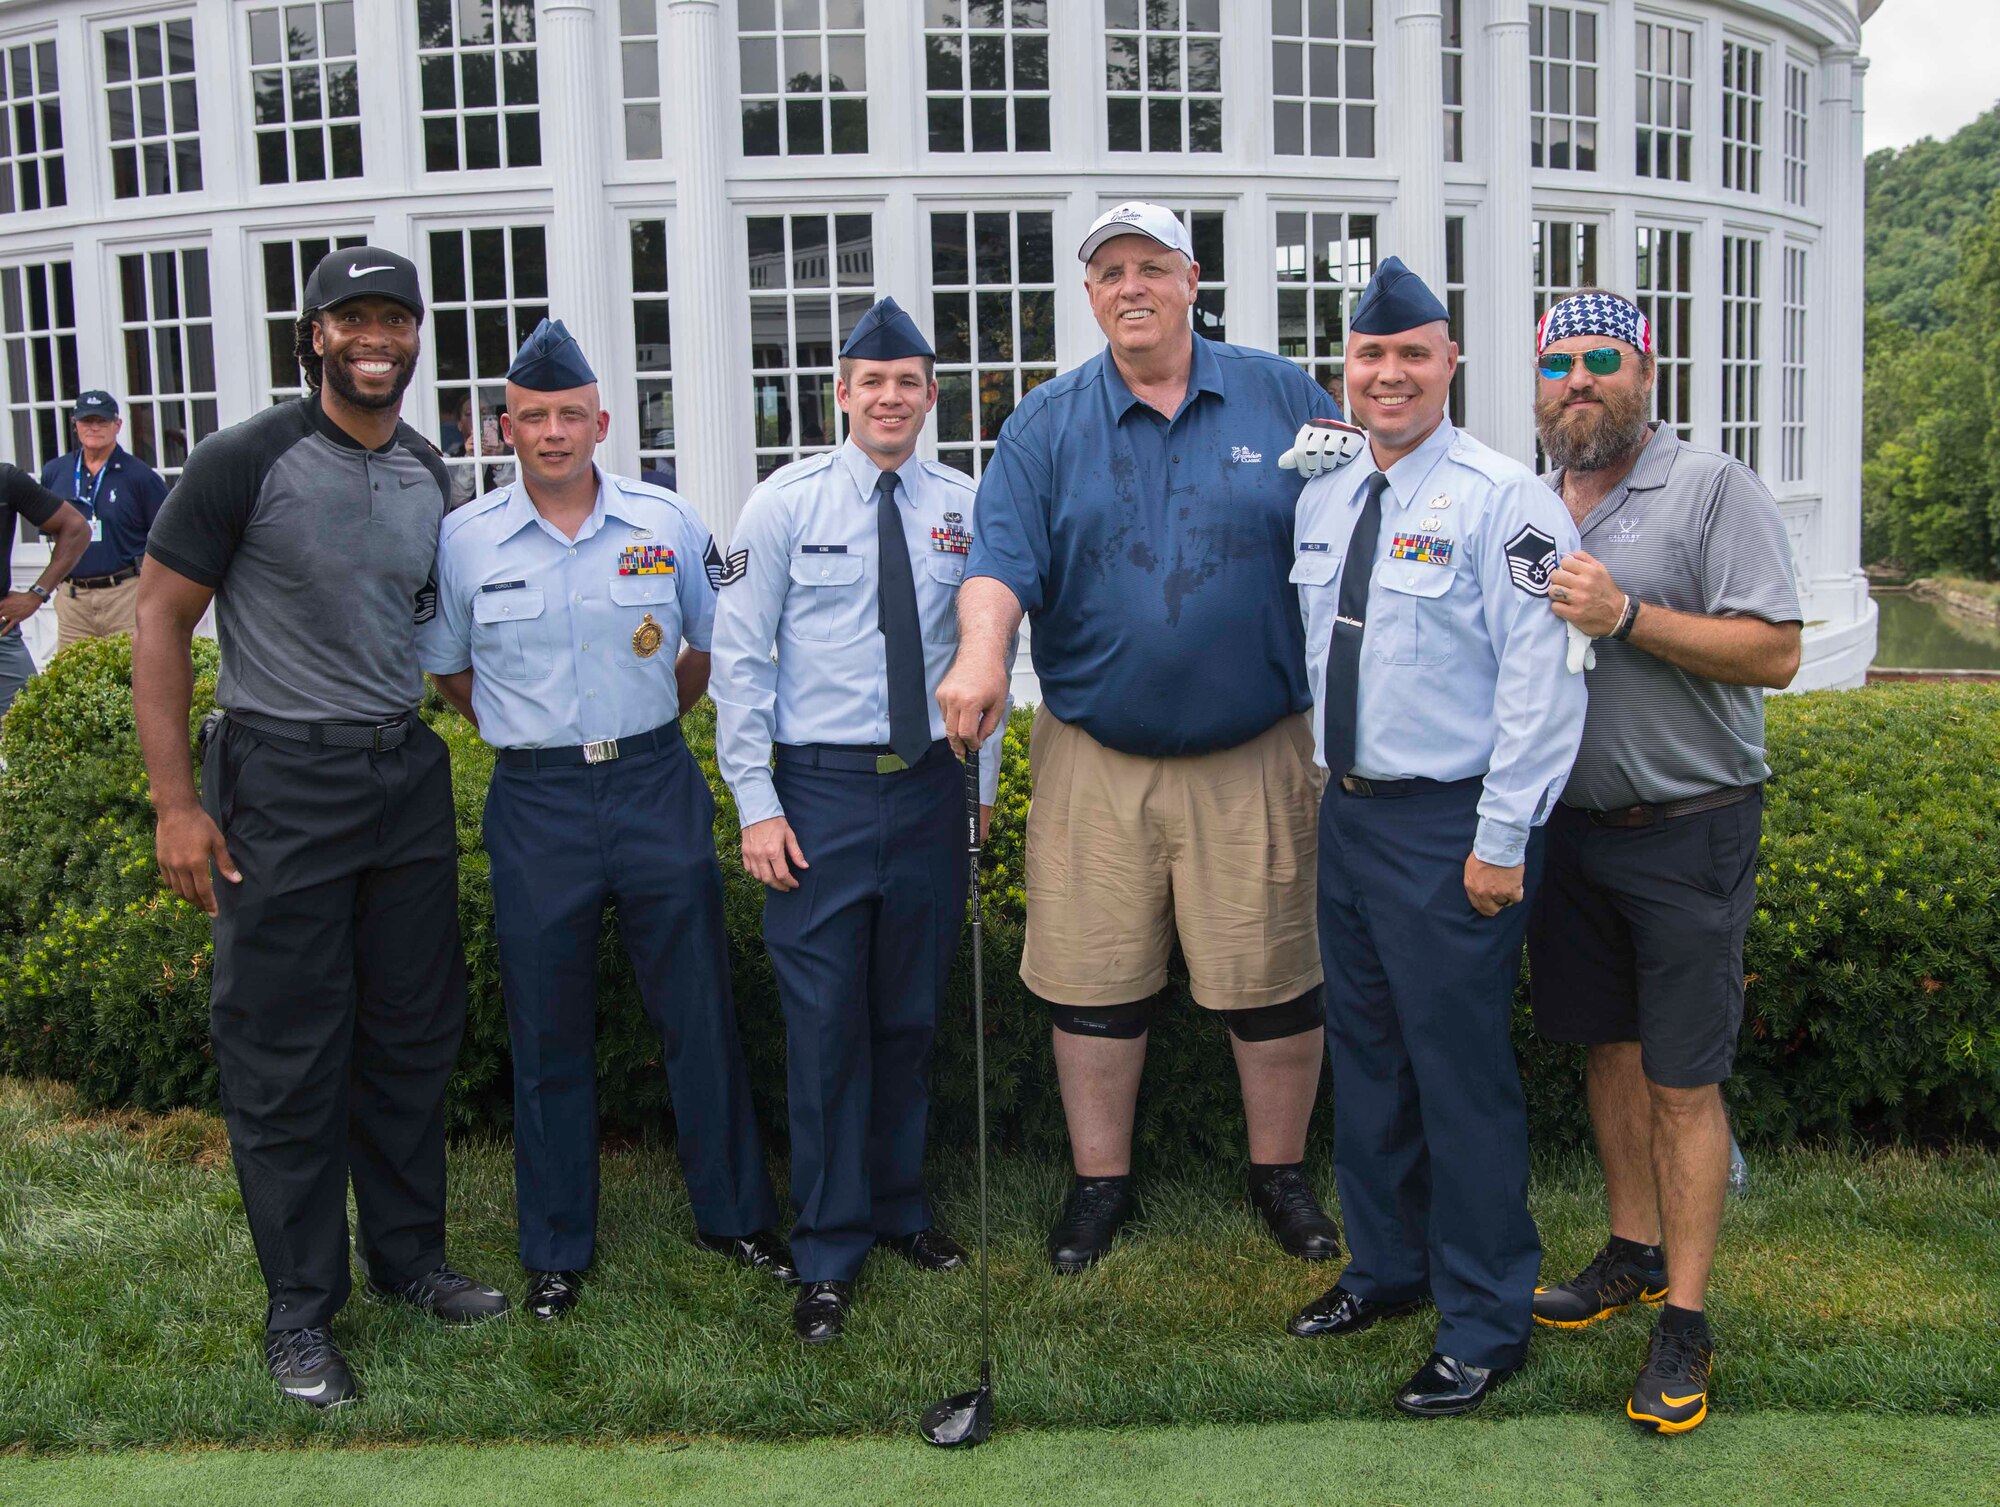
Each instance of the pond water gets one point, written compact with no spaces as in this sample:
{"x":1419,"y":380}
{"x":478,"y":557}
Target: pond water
{"x":1914,"y":635}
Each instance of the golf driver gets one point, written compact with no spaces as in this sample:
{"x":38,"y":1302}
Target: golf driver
{"x":966,"y":1418}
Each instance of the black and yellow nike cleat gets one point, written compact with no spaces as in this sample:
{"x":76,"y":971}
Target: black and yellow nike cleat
{"x":1671,"y":1394}
{"x":1611,"y":1283}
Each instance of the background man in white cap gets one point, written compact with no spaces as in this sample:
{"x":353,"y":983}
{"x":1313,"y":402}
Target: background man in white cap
{"x":1136,"y":508}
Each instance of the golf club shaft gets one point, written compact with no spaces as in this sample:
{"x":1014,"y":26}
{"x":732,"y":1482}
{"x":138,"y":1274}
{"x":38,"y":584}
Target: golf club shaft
{"x":979,"y":1055}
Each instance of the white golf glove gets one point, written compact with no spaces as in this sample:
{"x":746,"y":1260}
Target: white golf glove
{"x":1582,"y":650}
{"x":1323,"y":445}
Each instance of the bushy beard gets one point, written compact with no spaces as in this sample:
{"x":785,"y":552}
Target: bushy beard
{"x":341,"y":381}
{"x":1592,"y":439}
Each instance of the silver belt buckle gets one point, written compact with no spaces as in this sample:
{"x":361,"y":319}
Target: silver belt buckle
{"x":603,"y":751}
{"x":890,"y":764}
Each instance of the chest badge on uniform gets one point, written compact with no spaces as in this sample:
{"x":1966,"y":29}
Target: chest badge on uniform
{"x":952,"y":539}
{"x":647,"y":637}
{"x":642,"y":533}
{"x":1440,"y":502}
{"x":1425,"y":549}
{"x":954,"y":517}
{"x":646,"y":560}
{"x":1430,"y":523}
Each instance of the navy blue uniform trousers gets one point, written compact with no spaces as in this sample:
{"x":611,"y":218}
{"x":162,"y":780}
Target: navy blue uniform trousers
{"x":862,"y":950}
{"x":1430,"y":1126}
{"x":636,"y":832}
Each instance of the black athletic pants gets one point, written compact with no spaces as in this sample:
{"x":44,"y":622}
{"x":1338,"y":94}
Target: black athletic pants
{"x":337,"y":1004}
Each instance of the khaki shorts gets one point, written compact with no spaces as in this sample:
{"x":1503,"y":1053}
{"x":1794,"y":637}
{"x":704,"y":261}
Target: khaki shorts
{"x":1123,"y":852}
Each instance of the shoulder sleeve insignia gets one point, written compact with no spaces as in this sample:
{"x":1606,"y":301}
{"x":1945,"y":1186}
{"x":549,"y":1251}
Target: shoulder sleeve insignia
{"x":733,"y":569}
{"x":427,"y":599}
{"x":712,"y":562}
{"x":1531,"y":556}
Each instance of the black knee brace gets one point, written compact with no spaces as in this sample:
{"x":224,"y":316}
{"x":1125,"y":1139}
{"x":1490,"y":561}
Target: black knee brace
{"x":1125,"y":1022}
{"x":1271,"y":1022}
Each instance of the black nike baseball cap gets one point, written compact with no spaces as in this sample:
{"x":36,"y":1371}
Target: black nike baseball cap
{"x":362,"y":272}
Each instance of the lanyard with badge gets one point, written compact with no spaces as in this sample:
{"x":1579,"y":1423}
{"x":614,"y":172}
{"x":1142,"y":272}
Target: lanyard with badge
{"x":89,"y":503}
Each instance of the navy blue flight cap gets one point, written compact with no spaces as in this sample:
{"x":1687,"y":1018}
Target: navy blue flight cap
{"x":362,"y":272}
{"x":886,"y":333}
{"x":95,"y":404}
{"x":550,"y":360}
{"x":1395,"y":300}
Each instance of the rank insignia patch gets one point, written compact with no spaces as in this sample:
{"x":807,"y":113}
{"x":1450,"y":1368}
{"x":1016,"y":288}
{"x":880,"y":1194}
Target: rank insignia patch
{"x":1531,"y":556}
{"x":735,"y":568}
{"x":952,"y":539}
{"x":646,"y":560}
{"x":1425,"y":549}
{"x":647,"y":638}
{"x":711,"y":562}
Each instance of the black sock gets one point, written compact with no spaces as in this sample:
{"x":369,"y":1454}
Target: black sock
{"x":1683,"y":1320}
{"x":1650,"y":1257}
{"x":1260,"y":1172}
{"x":1123,"y":1179}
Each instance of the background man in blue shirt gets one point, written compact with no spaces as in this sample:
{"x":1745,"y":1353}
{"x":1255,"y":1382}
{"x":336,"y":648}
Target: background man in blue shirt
{"x":562,"y":599}
{"x":119,"y":496}
{"x":1135,"y":507}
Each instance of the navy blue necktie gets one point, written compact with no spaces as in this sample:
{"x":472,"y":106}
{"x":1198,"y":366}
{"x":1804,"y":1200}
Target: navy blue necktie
{"x":1340,"y":701}
{"x":902,"y":633}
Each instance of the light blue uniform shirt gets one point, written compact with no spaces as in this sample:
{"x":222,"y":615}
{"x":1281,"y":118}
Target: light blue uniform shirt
{"x":1462,"y":668}
{"x":556,"y":630}
{"x":803,"y":579}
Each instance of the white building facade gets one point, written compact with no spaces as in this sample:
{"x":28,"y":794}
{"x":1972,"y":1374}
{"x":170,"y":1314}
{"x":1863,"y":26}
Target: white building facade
{"x":710,"y":191}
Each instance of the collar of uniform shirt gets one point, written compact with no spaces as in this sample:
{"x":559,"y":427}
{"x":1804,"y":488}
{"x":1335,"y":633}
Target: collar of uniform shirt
{"x":521,"y":511}
{"x":1204,"y":375}
{"x":863,"y":471}
{"x":1406,"y":476}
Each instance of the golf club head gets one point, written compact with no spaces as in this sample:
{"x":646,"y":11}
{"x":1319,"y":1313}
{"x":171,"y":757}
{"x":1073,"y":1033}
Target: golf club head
{"x":960,"y":1421}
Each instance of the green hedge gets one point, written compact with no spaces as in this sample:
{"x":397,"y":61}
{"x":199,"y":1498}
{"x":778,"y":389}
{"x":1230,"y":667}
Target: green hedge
{"x":1874,"y":959}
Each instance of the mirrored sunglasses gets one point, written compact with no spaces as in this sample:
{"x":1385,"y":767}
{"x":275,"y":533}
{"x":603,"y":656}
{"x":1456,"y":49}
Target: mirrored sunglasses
{"x":1602,"y":362}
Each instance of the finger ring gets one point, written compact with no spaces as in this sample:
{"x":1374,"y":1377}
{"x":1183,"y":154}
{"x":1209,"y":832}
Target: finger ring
{"x":1560,"y":593}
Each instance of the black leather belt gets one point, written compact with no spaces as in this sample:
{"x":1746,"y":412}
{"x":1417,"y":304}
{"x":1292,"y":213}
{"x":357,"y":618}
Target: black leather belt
{"x":864,"y":758}
{"x":92,"y":583}
{"x":1646,"y":816}
{"x":661,"y":738}
{"x":376,"y":737}
{"x":1354,"y":784}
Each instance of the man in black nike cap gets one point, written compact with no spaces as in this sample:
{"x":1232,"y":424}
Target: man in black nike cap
{"x":323,"y":841}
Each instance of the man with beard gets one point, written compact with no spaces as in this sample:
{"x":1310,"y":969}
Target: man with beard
{"x":338,"y":997}
{"x":1636,"y":939}
{"x":1447,"y":726}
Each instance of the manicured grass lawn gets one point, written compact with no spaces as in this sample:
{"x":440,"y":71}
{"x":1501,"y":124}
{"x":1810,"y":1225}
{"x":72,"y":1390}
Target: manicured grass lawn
{"x":1771,"y":1459}
{"x":1847,"y":1286}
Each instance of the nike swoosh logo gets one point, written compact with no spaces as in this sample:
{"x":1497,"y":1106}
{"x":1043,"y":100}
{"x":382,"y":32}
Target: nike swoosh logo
{"x":364,"y":271}
{"x":1681,"y":1402}
{"x":1651,"y":1294}
{"x":406,"y":485}
{"x":312,"y":1391}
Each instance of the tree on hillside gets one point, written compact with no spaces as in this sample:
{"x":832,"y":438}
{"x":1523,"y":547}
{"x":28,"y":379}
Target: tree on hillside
{"x":1919,"y":199}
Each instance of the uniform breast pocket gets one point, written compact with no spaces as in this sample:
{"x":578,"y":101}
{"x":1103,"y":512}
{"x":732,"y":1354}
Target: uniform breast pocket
{"x":937,"y":596}
{"x":1317,"y":576}
{"x":1413,"y":611}
{"x":827,"y":598}
{"x":636,"y":643}
{"x":511,"y":635}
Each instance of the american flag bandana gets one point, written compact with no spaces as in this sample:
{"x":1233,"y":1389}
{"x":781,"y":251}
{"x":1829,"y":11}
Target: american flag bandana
{"x":1594,"y":314}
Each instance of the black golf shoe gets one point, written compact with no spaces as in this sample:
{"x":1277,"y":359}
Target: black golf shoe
{"x":1671,"y":1394}
{"x":1611,"y":1283}
{"x":309,"y":1368}
{"x":758,"y":1251}
{"x":927,"y":1250}
{"x":1097,"y":1209}
{"x":1297,"y":1222}
{"x":553,"y":1294}
{"x":445,"y":1294}
{"x":1338,"y":1311}
{"x":1447,"y":1388}
{"x":820,"y":1312}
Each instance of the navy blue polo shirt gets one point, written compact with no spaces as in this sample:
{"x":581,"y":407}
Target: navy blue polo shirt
{"x":120,"y":507}
{"x":1153,"y":556}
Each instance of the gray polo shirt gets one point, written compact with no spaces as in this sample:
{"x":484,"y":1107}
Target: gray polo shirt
{"x":1697,"y":531}
{"x":321,"y":554}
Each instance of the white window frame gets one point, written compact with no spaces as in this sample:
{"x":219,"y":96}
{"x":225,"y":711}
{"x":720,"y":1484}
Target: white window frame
{"x":1350,"y":62}
{"x":1113,"y":17}
{"x":177,"y":130}
{"x":43,"y":166}
{"x":1745,"y":70}
{"x":1547,"y":67}
{"x":845,"y":303}
{"x":1451,"y":34}
{"x":50,"y":385}
{"x":453,"y":54}
{"x":289,"y":129}
{"x":966,"y":98}
{"x":281,"y":323}
{"x":840,"y":38}
{"x":1670,"y":309}
{"x":486,"y":386}
{"x":1741,"y":409}
{"x":1798,"y":131}
{"x":149,"y":400}
{"x":1343,"y":289}
{"x":1015,"y":372}
{"x":1795,"y":335}
{"x":1457,"y":295}
{"x":640,"y":59}
{"x":1668,"y":89}
{"x":650,"y":380}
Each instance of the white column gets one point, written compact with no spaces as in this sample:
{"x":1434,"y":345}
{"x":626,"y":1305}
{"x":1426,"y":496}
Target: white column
{"x":572,"y":90}
{"x":712,"y":467}
{"x":1837,"y":293}
{"x":1501,"y":257}
{"x":1414,"y":114}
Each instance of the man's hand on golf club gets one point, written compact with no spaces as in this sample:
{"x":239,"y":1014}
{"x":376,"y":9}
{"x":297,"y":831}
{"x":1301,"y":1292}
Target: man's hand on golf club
{"x":767,"y":845}
{"x":972,"y":696}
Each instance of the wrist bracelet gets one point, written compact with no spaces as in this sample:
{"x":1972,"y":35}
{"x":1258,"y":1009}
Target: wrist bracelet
{"x":1626,"y":619}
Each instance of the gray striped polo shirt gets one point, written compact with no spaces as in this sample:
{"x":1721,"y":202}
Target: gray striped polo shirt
{"x":1697,"y":531}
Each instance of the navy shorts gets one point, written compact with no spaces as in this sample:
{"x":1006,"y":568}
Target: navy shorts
{"x":1637,"y":935}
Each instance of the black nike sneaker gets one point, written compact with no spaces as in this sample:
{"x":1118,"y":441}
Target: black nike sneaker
{"x":308,"y":1367}
{"x":451,"y":1296}
{"x":1671,"y":1394}
{"x":1611,"y":1283}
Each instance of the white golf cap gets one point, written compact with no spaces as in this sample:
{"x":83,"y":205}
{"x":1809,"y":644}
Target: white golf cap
{"x":1138,"y":218}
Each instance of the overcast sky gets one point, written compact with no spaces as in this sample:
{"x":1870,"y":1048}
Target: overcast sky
{"x":1934,"y":65}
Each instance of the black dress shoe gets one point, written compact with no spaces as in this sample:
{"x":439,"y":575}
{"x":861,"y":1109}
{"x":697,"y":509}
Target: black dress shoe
{"x":1298,"y":1223}
{"x":1445,"y":1388}
{"x":1097,"y":1208}
{"x":448,"y":1295}
{"x":1338,"y":1311}
{"x":553,"y":1294}
{"x":820,"y":1313}
{"x":928,"y":1250}
{"x":760,"y":1250}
